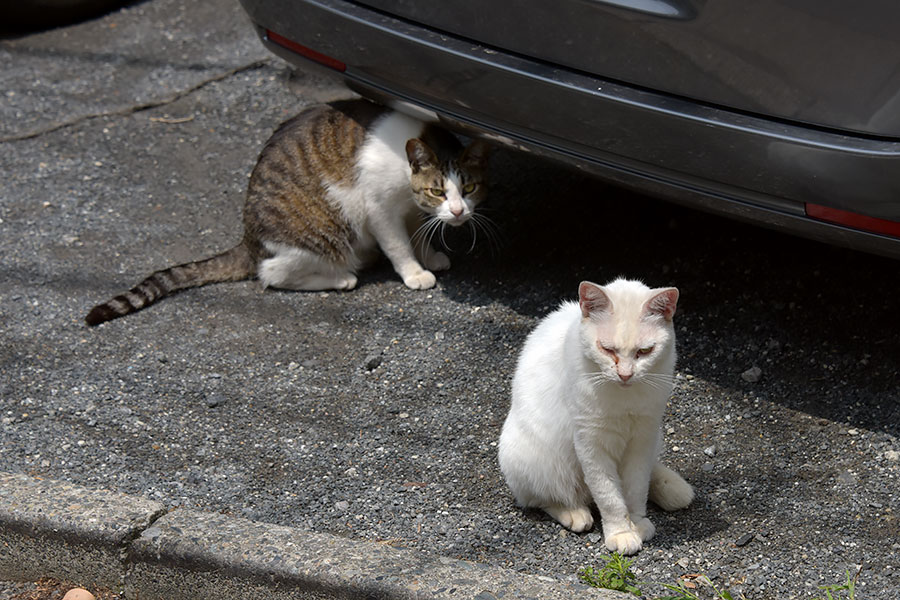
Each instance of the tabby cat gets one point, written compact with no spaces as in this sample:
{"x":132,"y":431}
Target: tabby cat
{"x":331,"y":186}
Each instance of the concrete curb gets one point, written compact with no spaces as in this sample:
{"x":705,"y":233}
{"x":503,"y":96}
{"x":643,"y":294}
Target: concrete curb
{"x":104,"y":539}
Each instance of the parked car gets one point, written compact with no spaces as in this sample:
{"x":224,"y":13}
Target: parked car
{"x":783,"y":113}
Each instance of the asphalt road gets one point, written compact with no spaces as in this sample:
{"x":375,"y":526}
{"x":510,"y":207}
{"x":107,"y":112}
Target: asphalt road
{"x":125,"y":146}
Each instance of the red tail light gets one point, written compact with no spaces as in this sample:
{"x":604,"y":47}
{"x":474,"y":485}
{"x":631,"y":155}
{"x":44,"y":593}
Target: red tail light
{"x":302,"y":50}
{"x":854,"y":220}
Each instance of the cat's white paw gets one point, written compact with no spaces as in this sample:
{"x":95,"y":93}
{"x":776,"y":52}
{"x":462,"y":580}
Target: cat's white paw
{"x":437,"y":261}
{"x":420,"y":281}
{"x":626,"y":542}
{"x":575,"y":519}
{"x":347,"y":282}
{"x":645,"y":528}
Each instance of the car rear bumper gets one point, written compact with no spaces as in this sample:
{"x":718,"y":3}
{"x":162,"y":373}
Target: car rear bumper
{"x":722,"y":161}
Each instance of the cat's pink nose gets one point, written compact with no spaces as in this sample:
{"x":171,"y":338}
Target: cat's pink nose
{"x":457,"y":211}
{"x":625,"y":377}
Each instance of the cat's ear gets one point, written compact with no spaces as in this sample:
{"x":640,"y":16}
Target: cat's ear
{"x":420,"y":155}
{"x":475,"y":154}
{"x":662,"y":302}
{"x":592,"y":299}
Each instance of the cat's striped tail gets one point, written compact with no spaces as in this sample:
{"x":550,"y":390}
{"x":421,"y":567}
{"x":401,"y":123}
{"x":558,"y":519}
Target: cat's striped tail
{"x":232,"y":265}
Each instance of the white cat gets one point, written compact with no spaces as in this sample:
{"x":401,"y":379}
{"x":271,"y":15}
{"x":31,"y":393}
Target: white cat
{"x":588,"y":398}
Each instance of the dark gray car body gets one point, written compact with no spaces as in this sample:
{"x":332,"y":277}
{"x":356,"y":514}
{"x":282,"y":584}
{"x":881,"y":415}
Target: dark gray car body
{"x":785,"y":113}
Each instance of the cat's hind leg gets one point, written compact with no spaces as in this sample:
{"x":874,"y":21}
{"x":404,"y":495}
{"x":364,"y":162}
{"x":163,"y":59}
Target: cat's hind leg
{"x":298,"y":269}
{"x":577,"y":519}
{"x":668,"y":489}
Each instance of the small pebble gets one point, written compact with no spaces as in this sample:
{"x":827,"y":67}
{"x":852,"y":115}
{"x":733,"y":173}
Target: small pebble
{"x":743,"y":540}
{"x":709,"y":451}
{"x":847,"y":478}
{"x":373,"y":362}
{"x":752,"y":374}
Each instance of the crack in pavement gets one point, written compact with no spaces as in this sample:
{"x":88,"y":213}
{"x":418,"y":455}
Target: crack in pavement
{"x":140,"y":107}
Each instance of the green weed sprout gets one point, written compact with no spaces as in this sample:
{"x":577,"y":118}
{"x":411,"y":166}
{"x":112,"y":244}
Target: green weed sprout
{"x":680,"y":591}
{"x":849,"y":586}
{"x":615,"y":574}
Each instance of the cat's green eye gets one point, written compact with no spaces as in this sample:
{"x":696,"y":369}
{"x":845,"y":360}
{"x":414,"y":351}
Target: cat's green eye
{"x":645,"y":351}
{"x":436,"y":192}
{"x":469,"y":188}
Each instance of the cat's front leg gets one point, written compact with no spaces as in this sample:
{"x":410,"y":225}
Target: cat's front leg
{"x":602,"y":478}
{"x":390,"y":233}
{"x":624,"y":541}
{"x":636,"y":464}
{"x":434,"y":259}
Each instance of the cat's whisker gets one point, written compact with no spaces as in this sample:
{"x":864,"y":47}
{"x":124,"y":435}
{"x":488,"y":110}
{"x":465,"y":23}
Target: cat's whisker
{"x":420,"y":238}
{"x":493,"y":230}
{"x":444,"y":239}
{"x":474,"y":231}
{"x":435,"y":228}
{"x":419,"y":234}
{"x":426,"y":222}
{"x":490,"y":229}
{"x":655,"y":384}
{"x":659,"y":381}
{"x":425,"y":234}
{"x":596,"y":379}
{"x":485,"y":221}
{"x":661,"y":377}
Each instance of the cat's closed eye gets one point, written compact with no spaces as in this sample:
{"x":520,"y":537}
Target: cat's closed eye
{"x":611,"y":352}
{"x":614,"y":354}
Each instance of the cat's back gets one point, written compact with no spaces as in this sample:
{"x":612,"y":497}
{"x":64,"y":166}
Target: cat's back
{"x":544,"y":357}
{"x":288,"y":198}
{"x":550,"y":334}
{"x":321,"y":143}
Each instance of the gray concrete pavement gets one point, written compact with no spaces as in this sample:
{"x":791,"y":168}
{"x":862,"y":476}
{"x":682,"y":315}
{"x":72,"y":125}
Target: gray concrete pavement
{"x":115,"y":541}
{"x":372,"y":416}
